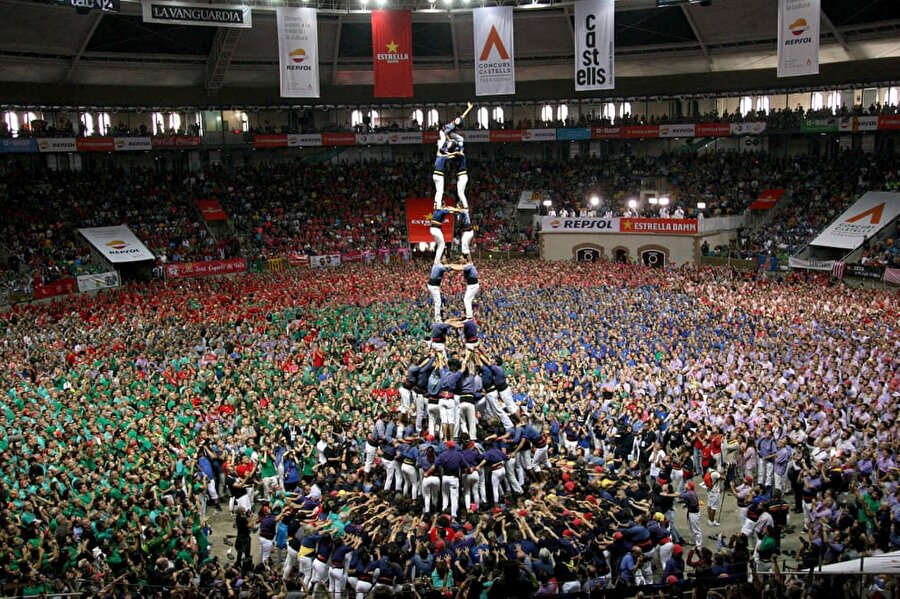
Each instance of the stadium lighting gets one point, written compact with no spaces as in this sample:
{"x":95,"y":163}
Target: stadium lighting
{"x":380,"y":2}
{"x":632,"y":204}
{"x":594,"y":201}
{"x":701,"y":205}
{"x":663,"y":201}
{"x":548,"y":203}
{"x":653,"y":200}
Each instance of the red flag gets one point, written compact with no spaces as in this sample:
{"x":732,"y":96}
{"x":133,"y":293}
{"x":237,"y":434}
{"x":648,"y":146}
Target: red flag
{"x":392,"y":53}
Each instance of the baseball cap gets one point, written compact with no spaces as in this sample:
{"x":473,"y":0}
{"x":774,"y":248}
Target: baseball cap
{"x":690,"y":485}
{"x":677,"y":550}
{"x":451,"y":445}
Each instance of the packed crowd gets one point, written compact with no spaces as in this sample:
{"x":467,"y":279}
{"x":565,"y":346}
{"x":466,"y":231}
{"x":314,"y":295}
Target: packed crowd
{"x":278,"y":208}
{"x":129,"y":415}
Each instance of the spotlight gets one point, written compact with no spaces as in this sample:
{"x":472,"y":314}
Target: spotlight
{"x":701,"y":205}
{"x":548,"y":203}
{"x":632,"y":204}
{"x":663,"y":201}
{"x":653,"y":200}
{"x":594,"y":200}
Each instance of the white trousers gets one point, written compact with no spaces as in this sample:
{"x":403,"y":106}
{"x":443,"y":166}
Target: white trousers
{"x":497,"y":477}
{"x":450,"y":492}
{"x":439,"y":243}
{"x":465,"y":240}
{"x":390,"y":474}
{"x":471,"y":490}
{"x":421,"y":413}
{"x":766,"y":473}
{"x":435,"y":291}
{"x":461,"y":181}
{"x":696,"y":533}
{"x":469,"y":297}
{"x":337,"y":582}
{"x":438,"y":190}
{"x":431,"y":492}
{"x":507,"y":396}
{"x":434,"y":417}
{"x":494,"y":409}
{"x":289,"y":564}
{"x":370,"y":452}
{"x":265,"y":550}
{"x":410,"y":480}
{"x":467,"y":419}
{"x":405,"y":399}
{"x":449,"y":407}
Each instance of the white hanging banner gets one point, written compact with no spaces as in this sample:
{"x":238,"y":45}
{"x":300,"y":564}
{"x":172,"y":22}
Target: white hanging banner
{"x":594,"y":45}
{"x":798,"y":37}
{"x":117,"y":244}
{"x":495,"y":68}
{"x":298,"y":52}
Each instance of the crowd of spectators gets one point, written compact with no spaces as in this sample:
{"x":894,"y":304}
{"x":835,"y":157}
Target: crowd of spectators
{"x":322,"y":208}
{"x":130,"y":417}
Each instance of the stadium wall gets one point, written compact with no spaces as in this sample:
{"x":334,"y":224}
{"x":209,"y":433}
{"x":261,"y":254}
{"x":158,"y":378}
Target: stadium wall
{"x":677,"y":249}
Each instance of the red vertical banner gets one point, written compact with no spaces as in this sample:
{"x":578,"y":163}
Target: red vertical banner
{"x":392,"y":53}
{"x":418,"y":220}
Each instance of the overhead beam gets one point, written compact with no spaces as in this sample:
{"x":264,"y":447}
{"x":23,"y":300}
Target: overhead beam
{"x":337,"y":48}
{"x":696,"y":30}
{"x":98,"y":16}
{"x":219,"y":59}
{"x":455,"y":48}
{"x":837,"y":34}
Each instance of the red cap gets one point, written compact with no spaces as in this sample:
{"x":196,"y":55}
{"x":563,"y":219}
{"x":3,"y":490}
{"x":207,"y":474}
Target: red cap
{"x":690,"y":485}
{"x":468,"y":526}
{"x":617,"y":536}
{"x":565,"y":476}
{"x":451,"y":445}
{"x":496,"y":510}
{"x":439,"y":545}
{"x":429,"y":437}
{"x":568,"y":533}
{"x":672,"y":579}
{"x":523,"y":513}
{"x":569,"y":486}
{"x":588,"y":516}
{"x":591,"y":499}
{"x":677,"y":550}
{"x":577,"y":522}
{"x":566,"y":513}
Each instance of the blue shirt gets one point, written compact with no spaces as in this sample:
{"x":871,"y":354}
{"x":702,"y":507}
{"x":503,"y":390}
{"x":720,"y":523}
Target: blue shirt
{"x":471,"y":274}
{"x":449,"y":380}
{"x":439,"y":332}
{"x":437,"y":274}
{"x":437,"y":218}
{"x":452,"y":461}
{"x":470,"y":331}
{"x":499,"y":377}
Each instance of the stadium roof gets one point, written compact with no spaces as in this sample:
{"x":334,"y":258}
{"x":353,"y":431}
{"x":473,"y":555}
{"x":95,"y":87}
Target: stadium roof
{"x":48,"y":53}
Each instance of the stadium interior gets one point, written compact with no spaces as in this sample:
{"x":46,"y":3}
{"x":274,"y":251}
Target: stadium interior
{"x":419,"y":309}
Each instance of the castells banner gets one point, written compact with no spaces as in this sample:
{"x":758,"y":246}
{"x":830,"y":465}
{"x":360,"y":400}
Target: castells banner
{"x":495,"y":60}
{"x":594,"y":48}
{"x":418,"y":221}
{"x":298,"y":52}
{"x":117,"y":244}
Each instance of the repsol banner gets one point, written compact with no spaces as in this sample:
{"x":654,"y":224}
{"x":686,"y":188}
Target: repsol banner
{"x":573,"y":224}
{"x":594,"y":45}
{"x":188,"y":13}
